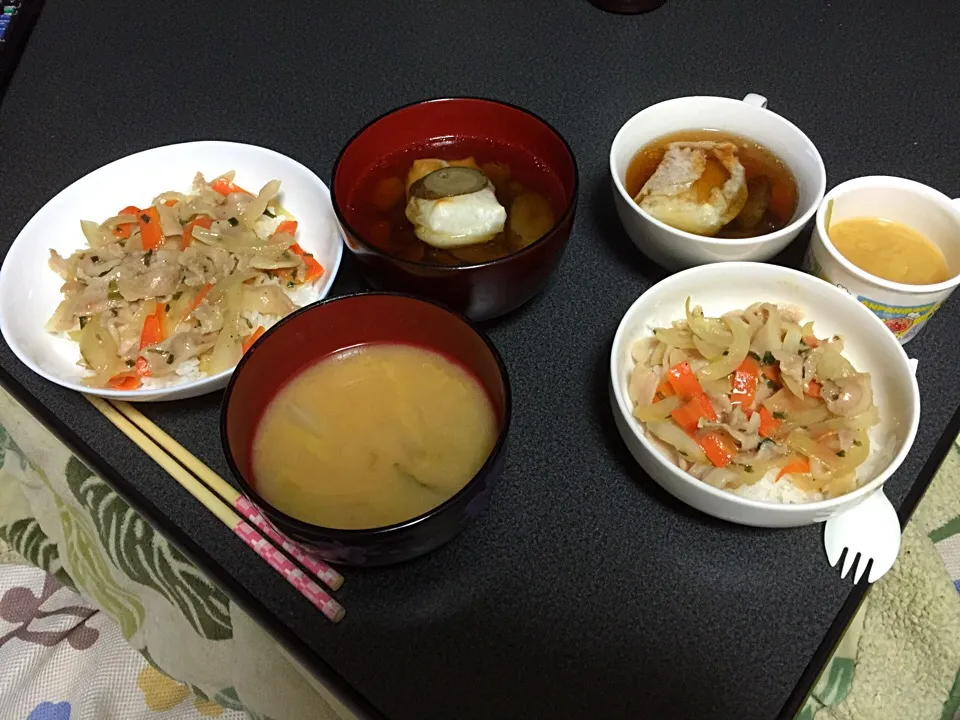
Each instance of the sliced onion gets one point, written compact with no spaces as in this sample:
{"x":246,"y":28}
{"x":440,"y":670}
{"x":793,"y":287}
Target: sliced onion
{"x":831,"y":364}
{"x":675,"y":337}
{"x":808,"y":447}
{"x":863,"y":421}
{"x":95,"y":235}
{"x":710,"y":330}
{"x":739,"y":347}
{"x":117,"y":220}
{"x":658,"y":411}
{"x":769,"y":338}
{"x":673,"y":435}
{"x":255,"y":207}
{"x":707,"y":349}
{"x":228,"y":348}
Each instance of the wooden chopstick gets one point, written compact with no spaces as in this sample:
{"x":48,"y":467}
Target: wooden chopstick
{"x":230,"y":495}
{"x":254,"y":540}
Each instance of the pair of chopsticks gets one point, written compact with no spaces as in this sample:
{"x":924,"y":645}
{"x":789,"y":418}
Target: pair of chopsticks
{"x":228,"y":505}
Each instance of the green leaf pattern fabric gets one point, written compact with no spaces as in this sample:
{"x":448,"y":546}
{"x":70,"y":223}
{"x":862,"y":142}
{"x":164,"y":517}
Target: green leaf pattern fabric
{"x":133,"y":547}
{"x":62,"y":517}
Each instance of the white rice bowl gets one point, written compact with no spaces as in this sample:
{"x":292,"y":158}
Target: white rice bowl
{"x":869,"y":346}
{"x":30,"y":290}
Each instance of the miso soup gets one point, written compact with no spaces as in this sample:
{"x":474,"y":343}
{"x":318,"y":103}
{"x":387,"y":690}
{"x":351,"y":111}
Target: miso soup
{"x":372,"y":436}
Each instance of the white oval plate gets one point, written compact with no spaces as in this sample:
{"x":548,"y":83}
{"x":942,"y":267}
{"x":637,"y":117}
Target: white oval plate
{"x":30,"y":291}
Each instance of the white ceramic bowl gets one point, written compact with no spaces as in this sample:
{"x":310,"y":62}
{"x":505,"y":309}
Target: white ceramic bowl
{"x":731,"y":286}
{"x":749,"y":118}
{"x":30,"y":291}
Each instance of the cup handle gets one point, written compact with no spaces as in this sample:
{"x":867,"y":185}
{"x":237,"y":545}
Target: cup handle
{"x":913,"y":365}
{"x":756,"y":100}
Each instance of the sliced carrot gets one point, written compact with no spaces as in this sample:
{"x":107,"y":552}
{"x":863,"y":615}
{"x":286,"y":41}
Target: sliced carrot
{"x":688,"y":415}
{"x":683,"y":381}
{"x":152,"y":331}
{"x":198,"y":298}
{"x":150,"y":233}
{"x":225,"y":187}
{"x":811,"y":341}
{"x":287,"y":227}
{"x":718,"y":446}
{"x":770,"y":372}
{"x":314,"y":269}
{"x":201,"y":221}
{"x":768,"y":423}
{"x":799,"y":466}
{"x":248,"y":343}
{"x":813,"y":388}
{"x":124,"y":231}
{"x":124,"y":381}
{"x":665,"y":390}
{"x":745,"y":381}
{"x":170,"y":203}
{"x":142,"y":368}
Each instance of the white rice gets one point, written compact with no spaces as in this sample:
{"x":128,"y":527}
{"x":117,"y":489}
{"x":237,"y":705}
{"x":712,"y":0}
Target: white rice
{"x":783,"y":491}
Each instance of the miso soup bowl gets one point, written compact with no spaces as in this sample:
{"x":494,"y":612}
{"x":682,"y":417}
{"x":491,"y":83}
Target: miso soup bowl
{"x":734,"y":286}
{"x":320,"y":330}
{"x":480,"y":291}
{"x":749,"y":118}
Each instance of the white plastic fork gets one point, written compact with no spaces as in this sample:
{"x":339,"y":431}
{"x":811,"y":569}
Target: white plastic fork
{"x":869,"y":533}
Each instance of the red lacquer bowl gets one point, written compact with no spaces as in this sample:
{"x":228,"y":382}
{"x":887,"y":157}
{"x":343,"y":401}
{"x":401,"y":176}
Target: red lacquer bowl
{"x":480,"y":291}
{"x":322,"y":329}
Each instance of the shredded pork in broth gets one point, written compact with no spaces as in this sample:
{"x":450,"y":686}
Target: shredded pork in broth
{"x":182,"y":286}
{"x":751,"y":396}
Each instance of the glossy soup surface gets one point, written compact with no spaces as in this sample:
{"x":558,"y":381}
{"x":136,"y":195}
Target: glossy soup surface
{"x":372,"y":436}
{"x":525,"y":188}
{"x":889,"y":250}
{"x":758,"y":163}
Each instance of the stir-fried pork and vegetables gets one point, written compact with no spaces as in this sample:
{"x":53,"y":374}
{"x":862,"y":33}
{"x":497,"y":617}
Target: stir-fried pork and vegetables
{"x":754,"y":395}
{"x":181,"y":288}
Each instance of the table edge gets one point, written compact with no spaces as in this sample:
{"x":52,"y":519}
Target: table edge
{"x":352,"y":698}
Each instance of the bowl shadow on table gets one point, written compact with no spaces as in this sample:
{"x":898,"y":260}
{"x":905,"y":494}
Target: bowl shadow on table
{"x":611,"y":231}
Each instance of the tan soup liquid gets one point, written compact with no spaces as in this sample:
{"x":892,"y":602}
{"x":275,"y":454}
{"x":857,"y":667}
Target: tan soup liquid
{"x":371,"y":437}
{"x":889,"y":250}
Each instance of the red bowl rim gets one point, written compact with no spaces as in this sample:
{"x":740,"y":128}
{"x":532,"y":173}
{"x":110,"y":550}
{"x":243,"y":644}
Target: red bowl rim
{"x":564,"y":216}
{"x":353,"y":534}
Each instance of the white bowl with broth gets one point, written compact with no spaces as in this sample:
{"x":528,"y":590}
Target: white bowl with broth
{"x":30,"y":290}
{"x":750,"y":120}
{"x":732,"y":286}
{"x":920,"y":210}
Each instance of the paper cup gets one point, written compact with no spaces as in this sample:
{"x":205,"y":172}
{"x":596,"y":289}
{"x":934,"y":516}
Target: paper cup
{"x":675,"y":249}
{"x":903,"y":308}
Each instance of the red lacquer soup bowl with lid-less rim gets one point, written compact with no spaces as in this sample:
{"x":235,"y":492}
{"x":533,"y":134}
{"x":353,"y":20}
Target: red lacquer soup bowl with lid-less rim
{"x":448,"y":127}
{"x":323,"y":329}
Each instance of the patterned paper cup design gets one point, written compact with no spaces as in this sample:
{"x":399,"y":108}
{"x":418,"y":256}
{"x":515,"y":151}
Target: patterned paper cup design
{"x":903,"y":308}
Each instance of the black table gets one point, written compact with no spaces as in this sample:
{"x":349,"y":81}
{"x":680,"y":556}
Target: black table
{"x":584,"y":591}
